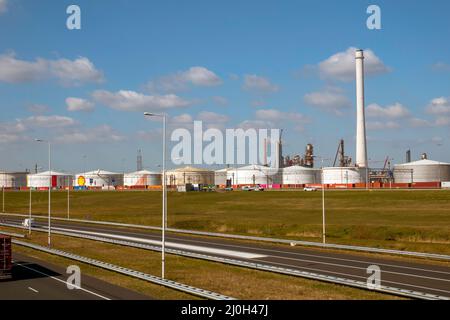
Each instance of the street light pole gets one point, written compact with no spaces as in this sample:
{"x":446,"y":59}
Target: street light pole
{"x":68,"y":197}
{"x":323,"y":207}
{"x":164,"y":193}
{"x":49,"y":240}
{"x":29,"y":220}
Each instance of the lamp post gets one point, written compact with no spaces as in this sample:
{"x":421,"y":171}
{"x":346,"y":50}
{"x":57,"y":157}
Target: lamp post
{"x":164,"y":192}
{"x":323,"y":202}
{"x":49,"y":190}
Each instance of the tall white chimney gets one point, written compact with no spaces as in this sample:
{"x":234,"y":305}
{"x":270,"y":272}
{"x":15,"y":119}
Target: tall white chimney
{"x":361,"y":147}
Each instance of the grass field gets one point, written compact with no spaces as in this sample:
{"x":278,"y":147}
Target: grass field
{"x":416,"y":220}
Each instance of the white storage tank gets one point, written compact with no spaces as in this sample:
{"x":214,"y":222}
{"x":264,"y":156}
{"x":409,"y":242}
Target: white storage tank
{"x":424,"y":170}
{"x":142,"y":178}
{"x":296,"y":175}
{"x":344,"y":175}
{"x":220,"y":177}
{"x":13,"y":179}
{"x":59,"y":180}
{"x":183,"y":176}
{"x":99,"y":179}
{"x":255,"y":174}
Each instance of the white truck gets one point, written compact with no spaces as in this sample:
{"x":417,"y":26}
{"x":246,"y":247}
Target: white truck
{"x":29,"y":222}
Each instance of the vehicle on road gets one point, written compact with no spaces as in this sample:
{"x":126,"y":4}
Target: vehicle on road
{"x":29,"y":222}
{"x":246,"y":188}
{"x":309,"y":189}
{"x":5,"y":257}
{"x":228,"y":189}
{"x":258,"y":188}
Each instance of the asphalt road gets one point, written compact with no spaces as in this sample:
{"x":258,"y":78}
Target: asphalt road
{"x":425,"y":278}
{"x":35,"y":279}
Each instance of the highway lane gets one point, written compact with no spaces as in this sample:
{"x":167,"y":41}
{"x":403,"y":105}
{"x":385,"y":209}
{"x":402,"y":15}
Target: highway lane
{"x":425,"y":278}
{"x":34,"y":279}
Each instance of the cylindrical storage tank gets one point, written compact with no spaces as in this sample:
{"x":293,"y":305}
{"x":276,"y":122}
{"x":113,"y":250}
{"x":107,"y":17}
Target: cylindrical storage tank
{"x":255,"y":174}
{"x":344,"y":175}
{"x":220,"y":177}
{"x":422,"y":171}
{"x":99,"y":179}
{"x":295,"y":175}
{"x":183,"y":176}
{"x":42,"y":180}
{"x":13,"y":179}
{"x":142,"y":178}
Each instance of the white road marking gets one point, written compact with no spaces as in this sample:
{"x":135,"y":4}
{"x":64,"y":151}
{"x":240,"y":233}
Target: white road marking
{"x":32,"y":289}
{"x":230,"y":253}
{"x":62,"y":281}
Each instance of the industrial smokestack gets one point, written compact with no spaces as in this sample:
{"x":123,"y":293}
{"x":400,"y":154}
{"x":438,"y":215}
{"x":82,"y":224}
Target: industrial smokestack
{"x":361,"y":147}
{"x":408,"y":156}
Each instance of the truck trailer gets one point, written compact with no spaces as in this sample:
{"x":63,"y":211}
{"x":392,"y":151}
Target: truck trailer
{"x":5,"y":257}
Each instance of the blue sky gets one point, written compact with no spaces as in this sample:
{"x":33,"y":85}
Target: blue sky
{"x":228,"y":63}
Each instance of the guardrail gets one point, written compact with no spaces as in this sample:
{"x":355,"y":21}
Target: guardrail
{"x":259,"y":266}
{"x":129,"y":272}
{"x":253,"y":238}
{"x":16,"y":235}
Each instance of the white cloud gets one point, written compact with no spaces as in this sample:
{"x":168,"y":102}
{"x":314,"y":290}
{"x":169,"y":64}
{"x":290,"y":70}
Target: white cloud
{"x":133,"y":101}
{"x":12,"y":127}
{"x":279,"y":116}
{"x":195,"y":76}
{"x":212,"y":117}
{"x":258,"y":103}
{"x":260,"y":84}
{"x":419,"y":123}
{"x":441,"y":67}
{"x":221,"y":101}
{"x":103,"y":133}
{"x":150,"y":135}
{"x":330,"y":99}
{"x":68,"y":72}
{"x":394,"y":111}
{"x":341,"y":66}
{"x":182,"y":119}
{"x":78,"y":104}
{"x":256,"y":124}
{"x":75,"y":72}
{"x":272,"y":118}
{"x":379,"y":125}
{"x":53,"y":121}
{"x":3,"y":6}
{"x":442,"y":121}
{"x":439,"y":106}
{"x":38,"y":108}
{"x":13,"y":70}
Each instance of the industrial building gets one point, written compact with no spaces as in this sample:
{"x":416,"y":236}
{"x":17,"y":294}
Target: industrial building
{"x":13,"y":180}
{"x":344,"y":175}
{"x":295,"y":176}
{"x":58,"y":180}
{"x":422,"y":171}
{"x":98,"y":179}
{"x":142,"y":179}
{"x":183,"y":176}
{"x":252,"y":174}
